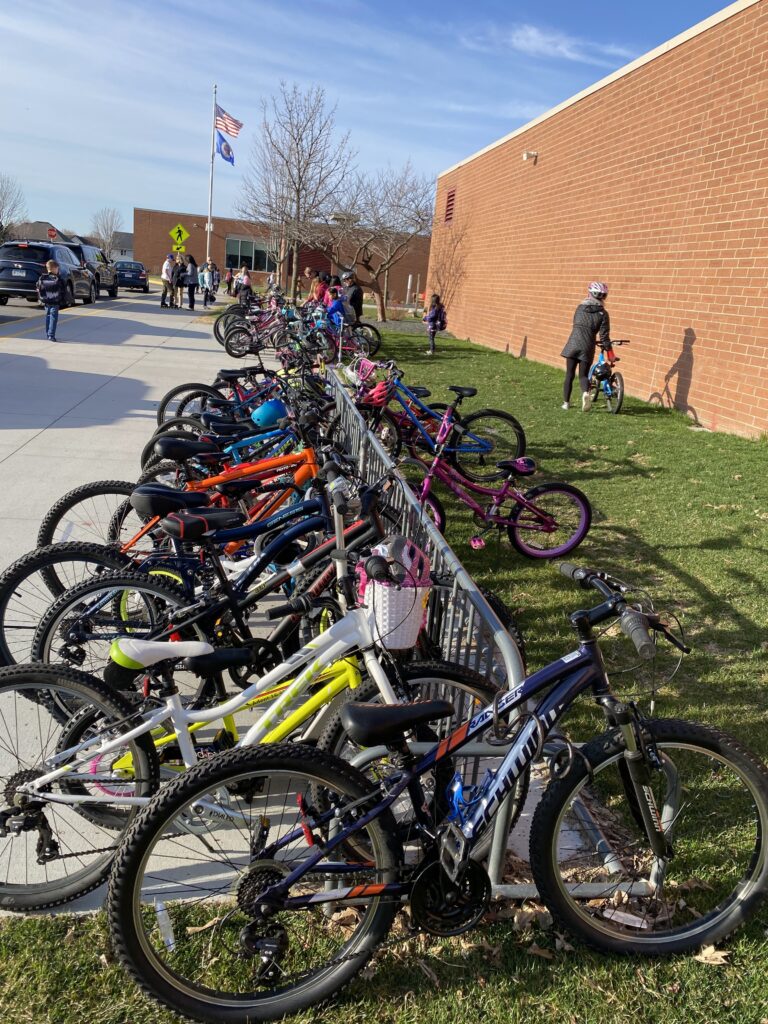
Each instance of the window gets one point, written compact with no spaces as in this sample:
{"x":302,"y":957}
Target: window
{"x":239,"y":251}
{"x":28,"y":253}
{"x":67,"y":256}
{"x":450,"y":200}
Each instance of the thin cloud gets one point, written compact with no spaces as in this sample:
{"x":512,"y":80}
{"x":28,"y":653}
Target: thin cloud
{"x":541,"y":42}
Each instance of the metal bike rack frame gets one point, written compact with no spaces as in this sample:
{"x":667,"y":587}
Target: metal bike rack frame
{"x":459,"y":619}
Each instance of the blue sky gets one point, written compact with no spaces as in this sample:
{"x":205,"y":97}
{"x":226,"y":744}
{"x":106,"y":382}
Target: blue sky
{"x":108,"y":104}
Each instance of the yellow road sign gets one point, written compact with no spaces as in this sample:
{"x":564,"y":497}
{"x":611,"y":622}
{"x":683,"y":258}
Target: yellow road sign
{"x":179,"y":234}
{"x":179,"y":248}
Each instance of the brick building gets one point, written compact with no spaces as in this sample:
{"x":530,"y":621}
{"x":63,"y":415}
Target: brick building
{"x":655,"y":180}
{"x":234,"y":242}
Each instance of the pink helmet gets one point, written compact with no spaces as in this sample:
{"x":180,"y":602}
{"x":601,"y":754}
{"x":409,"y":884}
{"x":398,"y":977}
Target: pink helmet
{"x":598,"y":288}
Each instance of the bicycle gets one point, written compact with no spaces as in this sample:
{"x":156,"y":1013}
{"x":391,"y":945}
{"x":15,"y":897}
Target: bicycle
{"x":605,"y":380}
{"x":547,"y":521}
{"x":649,"y":839}
{"x":103,"y":752}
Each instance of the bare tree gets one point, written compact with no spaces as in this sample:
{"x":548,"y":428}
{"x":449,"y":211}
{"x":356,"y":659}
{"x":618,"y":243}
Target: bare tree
{"x":12,"y":205}
{"x":447,"y":260}
{"x":104,"y":226}
{"x":374,"y":227}
{"x":297,"y":168}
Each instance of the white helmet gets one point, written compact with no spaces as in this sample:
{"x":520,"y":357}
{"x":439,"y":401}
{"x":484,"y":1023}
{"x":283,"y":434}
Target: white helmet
{"x":598,"y":288}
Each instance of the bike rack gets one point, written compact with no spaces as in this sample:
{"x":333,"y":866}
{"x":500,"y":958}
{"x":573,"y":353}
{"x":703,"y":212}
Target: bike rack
{"x":459,"y":621}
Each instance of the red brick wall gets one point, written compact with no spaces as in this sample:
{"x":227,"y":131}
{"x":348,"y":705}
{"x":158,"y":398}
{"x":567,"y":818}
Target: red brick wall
{"x":656,"y":183}
{"x":152,"y":242}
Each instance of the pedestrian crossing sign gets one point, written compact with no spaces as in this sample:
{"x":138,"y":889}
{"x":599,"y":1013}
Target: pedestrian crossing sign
{"x":179,"y":248}
{"x":179,"y":234}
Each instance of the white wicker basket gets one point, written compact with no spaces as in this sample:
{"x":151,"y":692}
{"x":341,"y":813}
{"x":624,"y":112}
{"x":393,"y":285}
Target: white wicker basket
{"x":395,"y":614}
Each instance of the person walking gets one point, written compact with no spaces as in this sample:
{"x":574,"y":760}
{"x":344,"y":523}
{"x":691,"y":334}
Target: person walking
{"x":435,"y":320}
{"x":166,"y":276}
{"x":590,"y":320}
{"x":216,"y":280}
{"x":200,"y":272}
{"x":53,"y":295}
{"x":190,"y":279}
{"x":206,"y":276}
{"x":243,"y":288}
{"x":353,"y":293}
{"x":228,"y":280}
{"x":177,"y":279}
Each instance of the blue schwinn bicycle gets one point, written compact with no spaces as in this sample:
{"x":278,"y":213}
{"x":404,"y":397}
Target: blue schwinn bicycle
{"x":261,"y":881}
{"x":607,"y":381}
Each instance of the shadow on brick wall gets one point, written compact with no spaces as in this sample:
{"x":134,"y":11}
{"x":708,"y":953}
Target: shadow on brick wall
{"x":679,"y":375}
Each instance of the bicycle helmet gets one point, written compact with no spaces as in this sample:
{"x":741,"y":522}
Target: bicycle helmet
{"x":269,"y":413}
{"x":598,"y":288}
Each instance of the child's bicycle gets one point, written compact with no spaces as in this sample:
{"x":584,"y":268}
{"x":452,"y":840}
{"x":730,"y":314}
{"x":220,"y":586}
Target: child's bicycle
{"x":605,"y":380}
{"x":546,"y":521}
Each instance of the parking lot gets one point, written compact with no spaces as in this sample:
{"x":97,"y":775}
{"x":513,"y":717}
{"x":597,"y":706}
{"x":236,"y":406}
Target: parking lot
{"x":81,"y":408}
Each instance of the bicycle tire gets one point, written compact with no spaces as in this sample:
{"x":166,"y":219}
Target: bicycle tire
{"x":23,"y":601}
{"x":374,"y":337}
{"x":87,"y":690}
{"x":517,"y":532}
{"x":219,"y":324}
{"x":227,"y":771}
{"x":89,"y":525}
{"x":187,"y":433}
{"x":166,"y":411}
{"x":704,"y":928}
{"x":170,"y":474}
{"x":63,"y":613}
{"x":505,"y":436}
{"x":383,"y":425}
{"x":617,"y":387}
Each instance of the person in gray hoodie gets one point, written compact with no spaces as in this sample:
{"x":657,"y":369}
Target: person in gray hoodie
{"x":590,"y":320}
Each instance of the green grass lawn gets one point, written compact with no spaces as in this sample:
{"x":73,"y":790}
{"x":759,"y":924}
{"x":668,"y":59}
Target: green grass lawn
{"x":679,"y":511}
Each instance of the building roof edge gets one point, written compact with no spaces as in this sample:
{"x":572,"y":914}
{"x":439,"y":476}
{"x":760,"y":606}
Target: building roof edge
{"x":627,"y":69}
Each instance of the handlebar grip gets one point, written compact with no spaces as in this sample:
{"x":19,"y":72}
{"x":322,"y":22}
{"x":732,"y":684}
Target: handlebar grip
{"x":634,"y":625}
{"x":571,"y":571}
{"x":377,"y":568}
{"x":296,"y":606}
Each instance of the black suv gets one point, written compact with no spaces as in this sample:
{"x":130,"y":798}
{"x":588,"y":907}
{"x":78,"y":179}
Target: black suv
{"x":22,"y":263}
{"x":103,"y":271}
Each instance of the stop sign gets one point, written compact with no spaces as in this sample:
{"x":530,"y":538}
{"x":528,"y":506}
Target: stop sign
{"x":51,"y":233}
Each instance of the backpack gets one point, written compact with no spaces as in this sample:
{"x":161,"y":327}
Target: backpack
{"x":350,"y":316}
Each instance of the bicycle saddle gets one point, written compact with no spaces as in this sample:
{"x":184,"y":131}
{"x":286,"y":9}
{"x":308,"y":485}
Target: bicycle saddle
{"x":136,"y":654}
{"x":178,"y":450}
{"x":232,"y":374}
{"x":419,"y":391}
{"x":208,"y":664}
{"x":375,"y":724}
{"x":523,"y":466}
{"x":462,"y":392}
{"x":224,"y":426}
{"x":192,"y":525}
{"x":157,"y":500}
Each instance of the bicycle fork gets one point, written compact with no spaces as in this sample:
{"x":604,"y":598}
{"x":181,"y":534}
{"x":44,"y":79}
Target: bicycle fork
{"x":639,"y":761}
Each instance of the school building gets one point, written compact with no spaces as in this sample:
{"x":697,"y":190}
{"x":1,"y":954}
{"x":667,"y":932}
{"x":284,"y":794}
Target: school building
{"x":655,"y":180}
{"x":235,"y":242}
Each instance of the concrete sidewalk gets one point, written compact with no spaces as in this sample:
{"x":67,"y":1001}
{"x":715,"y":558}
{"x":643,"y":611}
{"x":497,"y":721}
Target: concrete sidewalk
{"x":82,"y":408}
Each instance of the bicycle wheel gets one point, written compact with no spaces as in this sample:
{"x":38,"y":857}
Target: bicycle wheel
{"x":30,"y":585}
{"x":232,"y":312}
{"x":84,"y":513}
{"x":557,"y":524}
{"x":238,"y":343}
{"x":184,"y":433}
{"x":183,"y":905}
{"x":169,"y":403}
{"x":75,"y":842}
{"x":494,"y":436}
{"x":383,"y":424}
{"x":616,"y":399}
{"x":594,"y":867}
{"x":79,"y":626}
{"x":374,"y":337}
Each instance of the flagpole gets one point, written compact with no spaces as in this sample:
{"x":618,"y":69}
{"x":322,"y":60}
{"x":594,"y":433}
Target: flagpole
{"x":210,"y":178}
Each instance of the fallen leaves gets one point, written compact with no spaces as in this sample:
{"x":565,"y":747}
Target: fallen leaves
{"x":713,"y":957}
{"x":535,"y":950}
{"x":195,"y":929}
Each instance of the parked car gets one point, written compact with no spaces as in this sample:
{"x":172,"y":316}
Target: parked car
{"x":22,"y":263}
{"x":103,"y":270}
{"x":131,"y":274}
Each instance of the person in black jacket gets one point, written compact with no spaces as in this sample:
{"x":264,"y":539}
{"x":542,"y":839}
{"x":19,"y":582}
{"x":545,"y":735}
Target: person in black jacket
{"x":190,"y":279}
{"x":177,"y":280}
{"x":590,"y":320}
{"x":53,"y":295}
{"x":353,"y":293}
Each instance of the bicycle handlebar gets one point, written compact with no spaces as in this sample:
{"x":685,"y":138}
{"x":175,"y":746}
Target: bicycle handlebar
{"x":634,"y":624}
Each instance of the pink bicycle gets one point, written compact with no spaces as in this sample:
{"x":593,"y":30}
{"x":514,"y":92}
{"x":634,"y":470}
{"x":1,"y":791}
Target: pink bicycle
{"x":547,"y":521}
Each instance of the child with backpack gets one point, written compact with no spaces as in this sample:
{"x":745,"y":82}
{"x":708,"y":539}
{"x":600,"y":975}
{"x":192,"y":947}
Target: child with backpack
{"x":53,"y":295}
{"x":435,"y":320}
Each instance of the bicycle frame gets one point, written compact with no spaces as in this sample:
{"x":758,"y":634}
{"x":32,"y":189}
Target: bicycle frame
{"x":605,"y":384}
{"x":350,"y":634}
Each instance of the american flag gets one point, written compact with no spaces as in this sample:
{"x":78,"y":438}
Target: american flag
{"x":226,"y":123}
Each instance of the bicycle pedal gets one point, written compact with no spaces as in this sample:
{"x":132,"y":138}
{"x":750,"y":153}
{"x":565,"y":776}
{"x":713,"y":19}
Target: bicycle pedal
{"x":454,"y":851}
{"x":476,"y":543}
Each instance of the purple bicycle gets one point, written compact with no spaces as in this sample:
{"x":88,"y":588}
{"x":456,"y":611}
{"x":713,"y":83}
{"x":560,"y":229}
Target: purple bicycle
{"x":547,"y":521}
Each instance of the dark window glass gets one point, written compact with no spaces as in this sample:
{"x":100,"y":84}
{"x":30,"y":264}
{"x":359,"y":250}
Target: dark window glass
{"x":32,"y":253}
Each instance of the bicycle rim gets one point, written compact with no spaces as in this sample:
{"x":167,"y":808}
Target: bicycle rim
{"x":564,"y":507}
